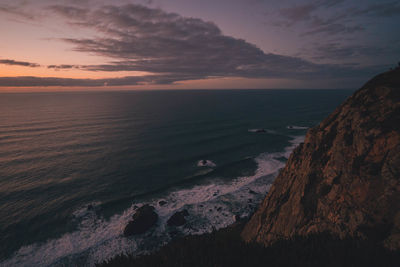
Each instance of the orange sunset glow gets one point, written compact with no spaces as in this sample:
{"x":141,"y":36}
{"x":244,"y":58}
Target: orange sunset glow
{"x":177,"y":45}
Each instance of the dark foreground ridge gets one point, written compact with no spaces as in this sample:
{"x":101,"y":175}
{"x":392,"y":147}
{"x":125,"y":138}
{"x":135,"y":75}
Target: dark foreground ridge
{"x":336,"y":202}
{"x":225,"y":247}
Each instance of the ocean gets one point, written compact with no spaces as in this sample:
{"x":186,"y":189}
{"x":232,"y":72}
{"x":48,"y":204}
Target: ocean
{"x":74,"y":166}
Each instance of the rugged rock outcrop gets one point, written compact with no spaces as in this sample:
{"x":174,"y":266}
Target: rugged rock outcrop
{"x":162,"y":203}
{"x":345,"y":178}
{"x":144,"y":218}
{"x":178,"y":218}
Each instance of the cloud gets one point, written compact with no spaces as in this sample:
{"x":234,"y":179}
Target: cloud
{"x":389,"y":9}
{"x":308,"y":14}
{"x":345,"y":19}
{"x":334,"y":28}
{"x":297,"y":13}
{"x":337,"y":50}
{"x":63,"y":67}
{"x":31,"y":81}
{"x":28,"y":81}
{"x":69,"y":11}
{"x":16,"y":11}
{"x":326,"y":71}
{"x":303,"y":12}
{"x":340,"y":22}
{"x":173,"y":47}
{"x":342,"y":52}
{"x":330,"y":3}
{"x":18,"y":63}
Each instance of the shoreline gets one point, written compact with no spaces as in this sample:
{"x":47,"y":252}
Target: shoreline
{"x":238,"y":197}
{"x":307,"y":218}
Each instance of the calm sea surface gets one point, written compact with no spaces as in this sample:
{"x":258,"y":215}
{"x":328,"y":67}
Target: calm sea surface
{"x":75,"y":166}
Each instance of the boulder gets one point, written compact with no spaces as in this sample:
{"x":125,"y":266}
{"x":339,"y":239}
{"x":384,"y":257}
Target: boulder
{"x":178,"y":218}
{"x":144,"y":218}
{"x":162,"y":203}
{"x":237,"y":218}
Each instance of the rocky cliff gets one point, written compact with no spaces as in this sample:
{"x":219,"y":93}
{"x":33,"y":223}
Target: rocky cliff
{"x":345,"y":178}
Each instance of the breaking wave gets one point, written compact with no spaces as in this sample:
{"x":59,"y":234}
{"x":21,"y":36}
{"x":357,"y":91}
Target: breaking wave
{"x":294,"y":127}
{"x":211,"y":205}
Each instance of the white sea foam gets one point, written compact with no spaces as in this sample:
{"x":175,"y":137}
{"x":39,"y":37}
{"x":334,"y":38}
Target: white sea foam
{"x":211,"y":206}
{"x":206,"y":163}
{"x":87,"y":210}
{"x":261,"y":130}
{"x":294,"y":127}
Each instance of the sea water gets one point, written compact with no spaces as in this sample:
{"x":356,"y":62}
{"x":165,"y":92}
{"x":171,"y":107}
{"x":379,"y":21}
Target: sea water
{"x":75,"y":166}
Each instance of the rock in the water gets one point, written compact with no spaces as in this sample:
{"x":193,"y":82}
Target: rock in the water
{"x":162,"y":203}
{"x":144,"y":218}
{"x":345,"y":178}
{"x":178,"y":218}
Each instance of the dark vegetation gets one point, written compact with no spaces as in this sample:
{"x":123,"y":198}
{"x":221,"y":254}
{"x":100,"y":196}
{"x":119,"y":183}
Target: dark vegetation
{"x":225,"y":248}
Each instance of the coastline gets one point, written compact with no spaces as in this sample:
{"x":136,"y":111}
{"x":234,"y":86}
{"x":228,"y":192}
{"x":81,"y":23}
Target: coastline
{"x":294,"y":225}
{"x":107,"y":171}
{"x":99,"y":238}
{"x":211,"y":206}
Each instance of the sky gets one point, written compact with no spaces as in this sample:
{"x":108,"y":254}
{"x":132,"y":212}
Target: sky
{"x":192,"y":44}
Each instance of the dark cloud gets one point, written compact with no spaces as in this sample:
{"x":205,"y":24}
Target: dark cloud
{"x":340,"y":23}
{"x":177,"y":48}
{"x":303,"y":12}
{"x":173,"y":48}
{"x":297,"y":13}
{"x":389,"y":9}
{"x":16,"y":11}
{"x":63,"y":66}
{"x":330,"y":3}
{"x":334,"y":28}
{"x":307,"y":13}
{"x":349,"y":71}
{"x":337,"y":50}
{"x":69,"y":11}
{"x":18,"y":63}
{"x":30,"y":81}
{"x":345,"y":20}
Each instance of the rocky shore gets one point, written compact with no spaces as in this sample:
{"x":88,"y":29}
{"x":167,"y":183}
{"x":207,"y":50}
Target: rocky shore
{"x":335,"y":203}
{"x":345,"y":178}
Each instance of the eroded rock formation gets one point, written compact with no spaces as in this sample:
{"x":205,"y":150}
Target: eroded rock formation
{"x":345,"y":177}
{"x":144,"y":218}
{"x":178,"y":218}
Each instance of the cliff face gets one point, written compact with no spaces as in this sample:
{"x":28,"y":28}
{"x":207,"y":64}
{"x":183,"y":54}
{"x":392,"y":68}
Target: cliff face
{"x":345,"y":177}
